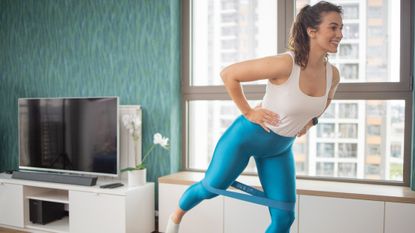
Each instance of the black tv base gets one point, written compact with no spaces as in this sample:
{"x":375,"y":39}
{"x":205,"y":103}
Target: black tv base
{"x":55,"y":178}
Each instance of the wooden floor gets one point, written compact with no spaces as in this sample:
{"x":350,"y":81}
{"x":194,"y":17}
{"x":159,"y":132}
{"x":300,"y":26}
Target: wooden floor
{"x":5,"y":230}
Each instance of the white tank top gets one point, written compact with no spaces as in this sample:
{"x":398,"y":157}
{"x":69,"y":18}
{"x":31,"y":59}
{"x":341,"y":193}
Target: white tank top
{"x":294,"y":107}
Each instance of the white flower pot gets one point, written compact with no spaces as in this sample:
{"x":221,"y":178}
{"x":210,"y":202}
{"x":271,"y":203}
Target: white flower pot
{"x":137,"y":177}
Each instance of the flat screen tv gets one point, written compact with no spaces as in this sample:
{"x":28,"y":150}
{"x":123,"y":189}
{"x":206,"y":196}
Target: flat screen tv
{"x":69,"y":135}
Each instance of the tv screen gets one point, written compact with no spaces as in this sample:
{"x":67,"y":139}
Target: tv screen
{"x":77,"y":135}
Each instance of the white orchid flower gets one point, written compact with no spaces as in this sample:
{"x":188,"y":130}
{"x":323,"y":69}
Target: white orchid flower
{"x":132,"y":124}
{"x":162,"y":141}
{"x":137,"y":123}
{"x":125,"y":120}
{"x":158,"y":139}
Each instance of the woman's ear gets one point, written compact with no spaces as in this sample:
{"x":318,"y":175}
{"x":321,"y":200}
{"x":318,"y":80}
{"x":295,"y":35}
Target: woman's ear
{"x":311,"y":32}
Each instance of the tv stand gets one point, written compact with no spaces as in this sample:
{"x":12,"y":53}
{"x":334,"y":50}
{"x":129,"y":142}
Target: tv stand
{"x":90,"y":209}
{"x":55,"y":177}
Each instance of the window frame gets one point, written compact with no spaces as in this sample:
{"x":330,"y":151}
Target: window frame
{"x":401,"y":90}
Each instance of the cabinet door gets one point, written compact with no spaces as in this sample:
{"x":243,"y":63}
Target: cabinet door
{"x":94,"y":212}
{"x":399,"y":217}
{"x":245,"y":217}
{"x":11,"y":205}
{"x":328,"y":215}
{"x":207,"y":217}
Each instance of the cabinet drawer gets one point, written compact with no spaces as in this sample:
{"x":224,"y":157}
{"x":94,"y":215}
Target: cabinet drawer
{"x":399,"y":217}
{"x":328,"y":215}
{"x":94,"y":212}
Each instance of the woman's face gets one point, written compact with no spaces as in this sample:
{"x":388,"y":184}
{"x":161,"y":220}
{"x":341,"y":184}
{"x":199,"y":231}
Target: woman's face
{"x":329,"y":32}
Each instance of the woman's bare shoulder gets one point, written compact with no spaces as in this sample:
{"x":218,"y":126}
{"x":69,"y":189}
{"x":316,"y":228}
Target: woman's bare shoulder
{"x":336,"y":76}
{"x":283,"y":64}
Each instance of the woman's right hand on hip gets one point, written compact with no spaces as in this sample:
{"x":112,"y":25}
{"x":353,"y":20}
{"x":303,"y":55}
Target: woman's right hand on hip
{"x":260,"y":116}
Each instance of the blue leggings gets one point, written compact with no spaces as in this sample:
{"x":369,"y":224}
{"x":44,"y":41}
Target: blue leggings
{"x":275,"y":164}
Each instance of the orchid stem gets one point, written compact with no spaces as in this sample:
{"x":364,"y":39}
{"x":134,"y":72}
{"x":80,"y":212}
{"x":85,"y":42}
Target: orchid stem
{"x":148,"y":152}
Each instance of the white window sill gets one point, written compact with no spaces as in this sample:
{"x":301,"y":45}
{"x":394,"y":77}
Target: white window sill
{"x":316,"y":188}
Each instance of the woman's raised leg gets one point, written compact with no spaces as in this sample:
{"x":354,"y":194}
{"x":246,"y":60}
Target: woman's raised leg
{"x":229,"y":160}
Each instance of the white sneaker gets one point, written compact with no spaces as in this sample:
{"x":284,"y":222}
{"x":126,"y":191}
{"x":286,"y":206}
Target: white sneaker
{"x":171,"y":226}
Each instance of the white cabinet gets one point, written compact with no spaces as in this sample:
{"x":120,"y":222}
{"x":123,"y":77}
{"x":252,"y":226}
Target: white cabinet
{"x":328,"y":215}
{"x":399,"y":217}
{"x":245,"y":217}
{"x":11,"y":205}
{"x":219,"y":215}
{"x":133,"y":211}
{"x":356,"y":208}
{"x":95,"y":212}
{"x":90,"y":209}
{"x":207,"y":217}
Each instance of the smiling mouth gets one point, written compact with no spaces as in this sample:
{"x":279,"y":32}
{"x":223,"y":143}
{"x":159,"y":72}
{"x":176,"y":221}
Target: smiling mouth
{"x":335,"y":43}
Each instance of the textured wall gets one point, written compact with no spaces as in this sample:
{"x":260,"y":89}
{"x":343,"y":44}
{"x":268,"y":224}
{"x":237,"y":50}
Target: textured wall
{"x":413,"y":109}
{"x":125,"y":48}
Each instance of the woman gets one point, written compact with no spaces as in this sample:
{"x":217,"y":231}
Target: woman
{"x":301,"y":85}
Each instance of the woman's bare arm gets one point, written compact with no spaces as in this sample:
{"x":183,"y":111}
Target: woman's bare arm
{"x":272,"y":67}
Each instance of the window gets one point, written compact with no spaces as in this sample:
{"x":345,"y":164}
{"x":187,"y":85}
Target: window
{"x":396,"y":150}
{"x":351,"y":11}
{"x":329,"y":113}
{"x":363,"y":133}
{"x":325,"y":150}
{"x":347,"y":170}
{"x":325,"y":169}
{"x":349,"y":72}
{"x":300,"y":167}
{"x":347,"y":150}
{"x":349,"y":51}
{"x":348,"y":110}
{"x":300,"y":148}
{"x":347,"y":130}
{"x":351,"y":31}
{"x":373,"y":130}
{"x":325,"y":130}
{"x":372,"y":170}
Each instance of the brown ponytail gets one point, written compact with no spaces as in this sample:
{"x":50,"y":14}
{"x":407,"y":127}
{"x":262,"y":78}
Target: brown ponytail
{"x":309,"y":16}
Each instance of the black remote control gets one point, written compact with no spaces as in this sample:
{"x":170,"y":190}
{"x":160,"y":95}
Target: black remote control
{"x":112,"y":185}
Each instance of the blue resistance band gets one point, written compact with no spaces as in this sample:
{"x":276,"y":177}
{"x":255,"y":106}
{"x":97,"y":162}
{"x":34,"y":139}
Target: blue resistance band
{"x":256,"y":197}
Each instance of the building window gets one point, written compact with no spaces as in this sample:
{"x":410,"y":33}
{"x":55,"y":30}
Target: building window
{"x":300,"y":167}
{"x":349,"y":51}
{"x":325,"y":130}
{"x":372,"y":169}
{"x":348,"y":110}
{"x":329,"y":113}
{"x":396,"y":150}
{"x":373,"y":130}
{"x":325,"y":150}
{"x":347,"y":150}
{"x":325,"y":169}
{"x":349,"y":72}
{"x":374,"y":149}
{"x":351,"y":11}
{"x":348,"y":130}
{"x":347,"y":170}
{"x":361,"y":135}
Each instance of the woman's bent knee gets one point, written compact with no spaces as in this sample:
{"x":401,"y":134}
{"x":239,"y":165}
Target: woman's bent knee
{"x":194,"y":195}
{"x":281,"y":221}
{"x":205,"y":193}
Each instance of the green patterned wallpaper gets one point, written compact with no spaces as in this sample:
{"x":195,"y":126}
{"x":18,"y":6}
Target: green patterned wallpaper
{"x":412,"y":178}
{"x":125,"y":48}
